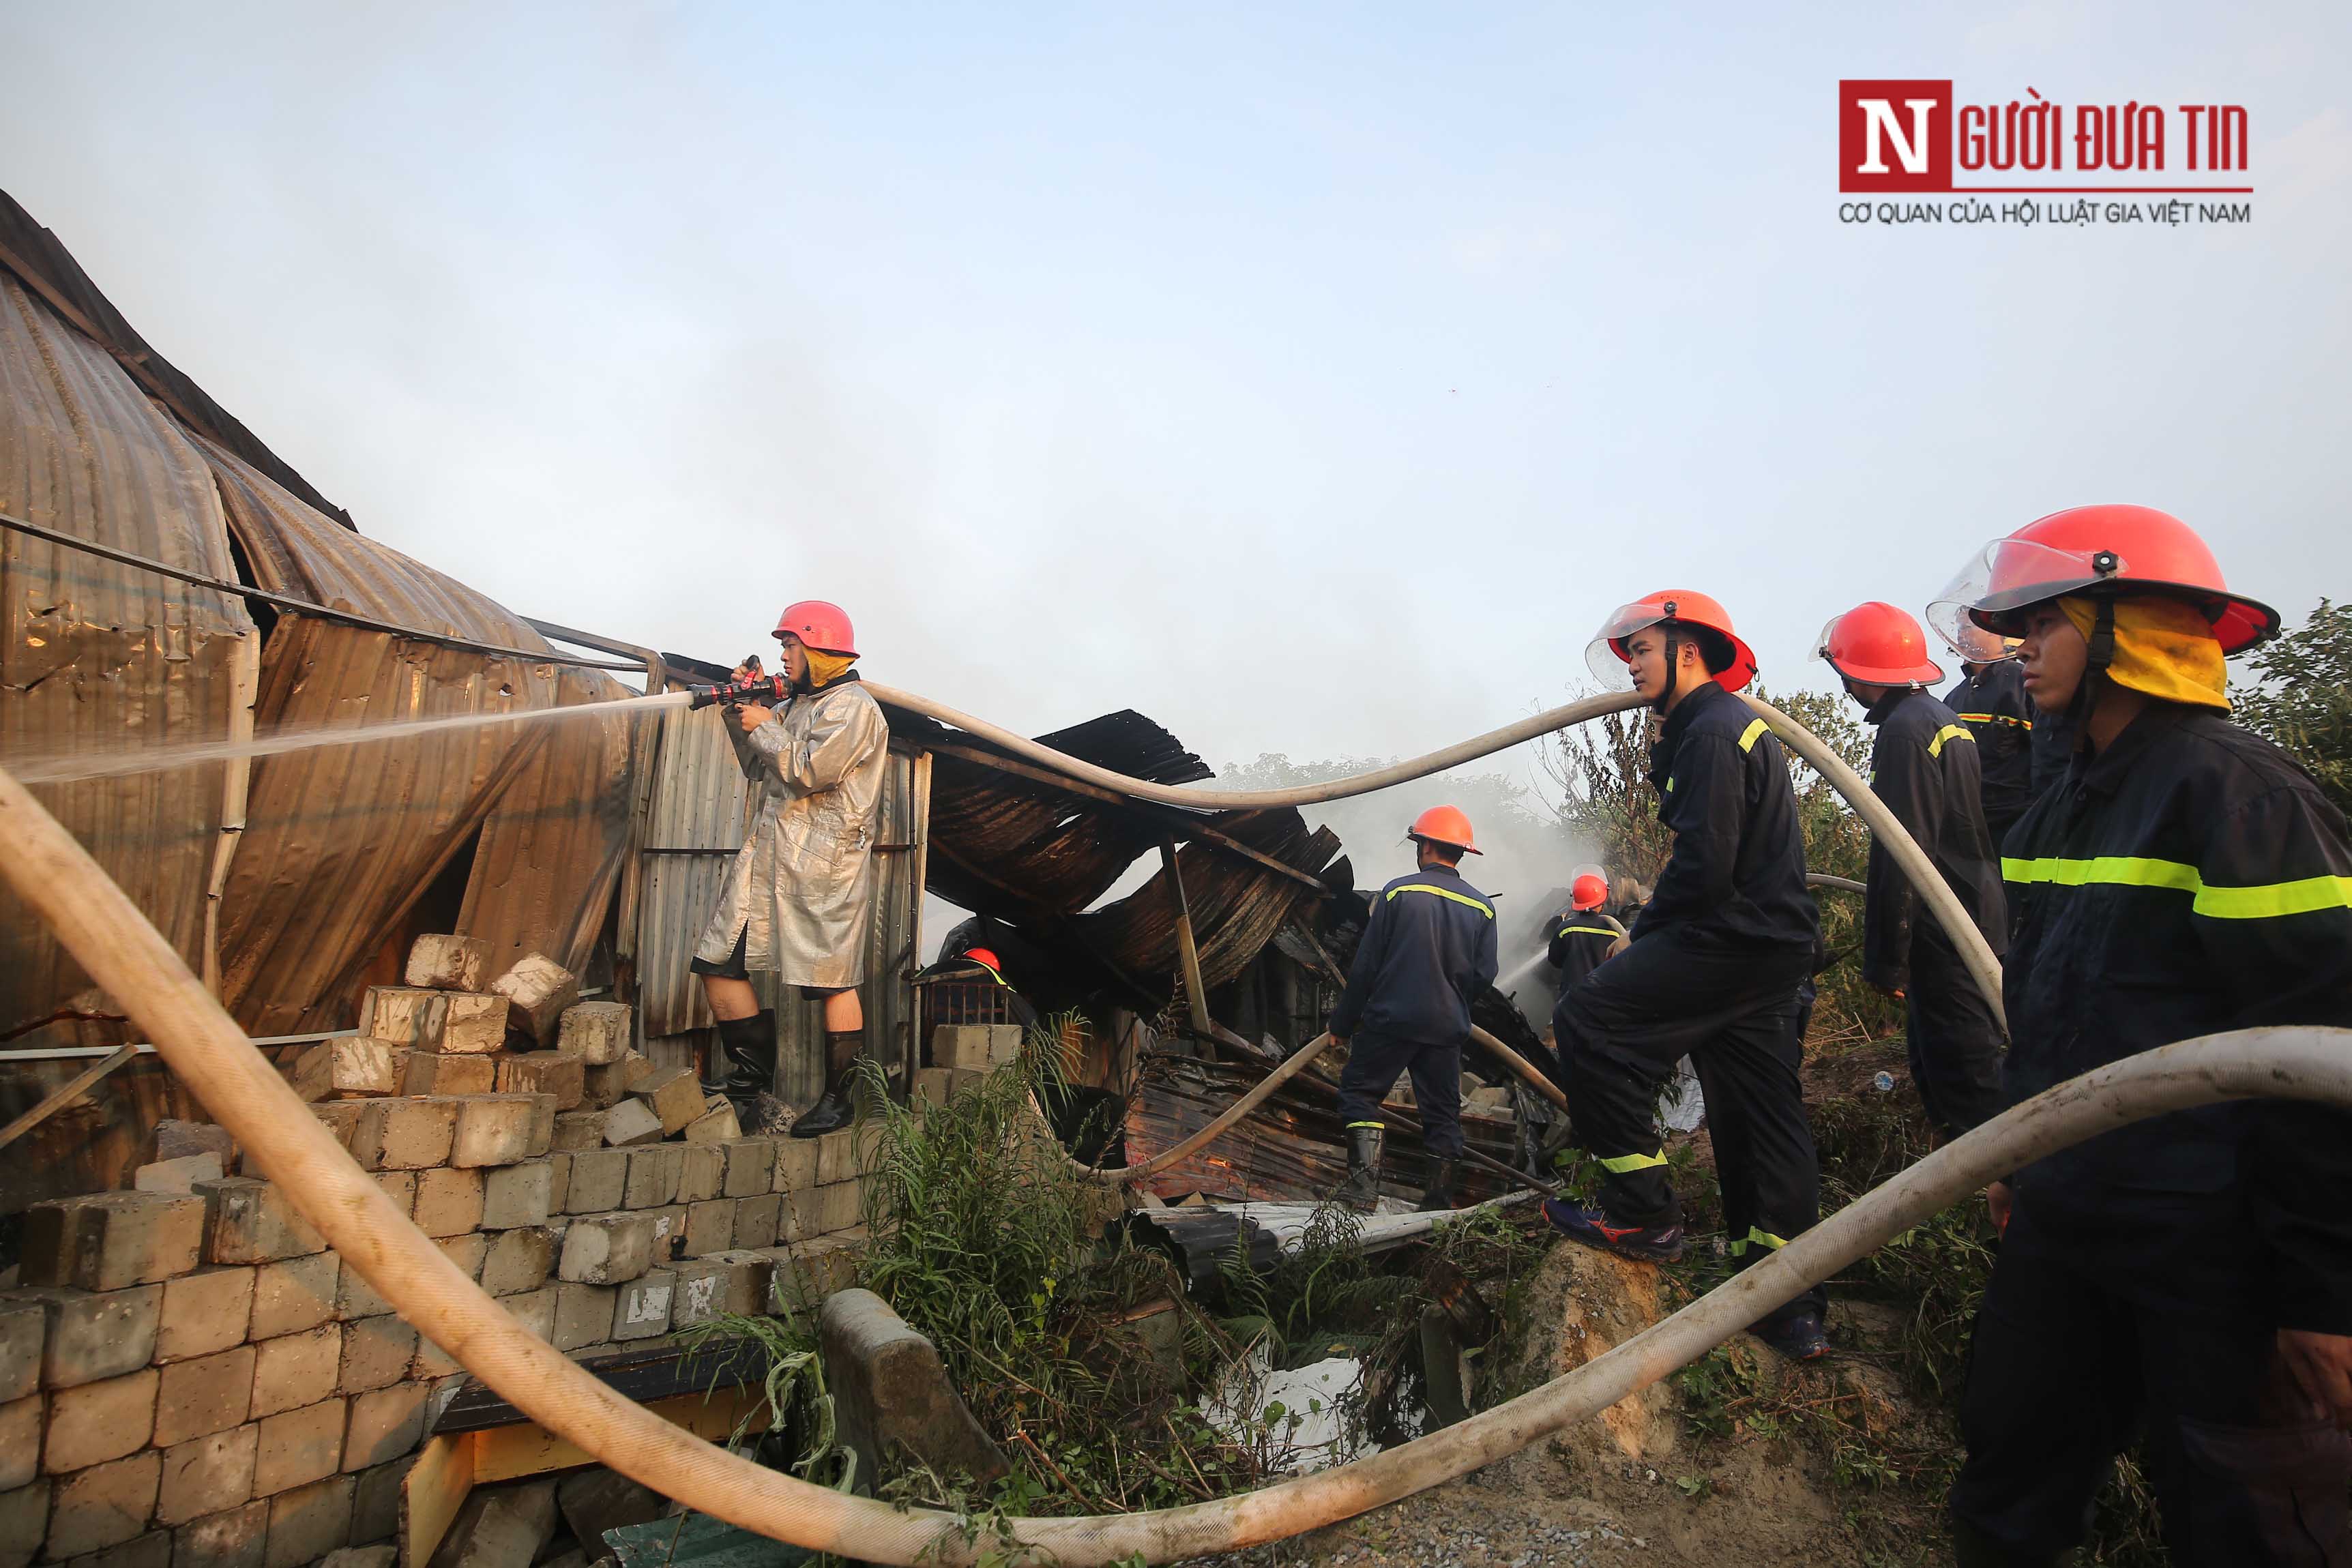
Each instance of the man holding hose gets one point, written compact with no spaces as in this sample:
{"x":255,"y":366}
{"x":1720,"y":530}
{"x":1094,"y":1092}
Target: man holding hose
{"x":2190,"y":1275}
{"x":1718,"y":956}
{"x":799,"y":900}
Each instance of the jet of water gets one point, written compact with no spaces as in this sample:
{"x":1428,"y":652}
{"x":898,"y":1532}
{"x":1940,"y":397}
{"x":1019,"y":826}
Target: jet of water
{"x":1523,"y":970}
{"x":114,"y":763}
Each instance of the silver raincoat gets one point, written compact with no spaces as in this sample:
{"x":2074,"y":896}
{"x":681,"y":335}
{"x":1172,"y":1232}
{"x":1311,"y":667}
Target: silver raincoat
{"x":802,"y":888}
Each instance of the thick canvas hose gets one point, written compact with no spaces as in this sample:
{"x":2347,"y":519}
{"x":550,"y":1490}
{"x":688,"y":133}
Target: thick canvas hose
{"x":124,"y":954}
{"x":1122,"y":1174}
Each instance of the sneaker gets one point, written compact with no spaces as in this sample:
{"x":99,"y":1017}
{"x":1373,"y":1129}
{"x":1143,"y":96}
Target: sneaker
{"x":1642,"y":1243}
{"x":1798,"y":1337}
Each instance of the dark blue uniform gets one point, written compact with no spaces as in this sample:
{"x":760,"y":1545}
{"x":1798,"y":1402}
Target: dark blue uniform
{"x":1720,"y":953}
{"x":1429,"y":949}
{"x":1993,"y":704}
{"x":1924,"y":764}
{"x":2189,"y":879}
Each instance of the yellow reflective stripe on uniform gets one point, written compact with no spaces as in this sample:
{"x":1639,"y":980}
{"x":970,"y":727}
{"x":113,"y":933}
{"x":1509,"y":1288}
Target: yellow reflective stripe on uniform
{"x":1587,"y":930}
{"x":1766,"y":1238}
{"x":1621,"y":1164}
{"x":2260,"y":901}
{"x":1442,"y":892}
{"x":1354,"y":1124}
{"x":1756,"y":727}
{"x":1997,"y":719}
{"x":1949,"y":732}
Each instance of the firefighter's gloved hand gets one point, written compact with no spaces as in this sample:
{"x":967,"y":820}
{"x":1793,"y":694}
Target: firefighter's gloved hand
{"x":2321,"y":1366}
{"x":1998,"y":1198}
{"x":751,"y":716}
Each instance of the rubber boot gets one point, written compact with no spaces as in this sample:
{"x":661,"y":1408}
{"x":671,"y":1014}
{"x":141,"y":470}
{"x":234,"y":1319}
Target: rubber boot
{"x":838,"y":1106}
{"x":749,"y":1047}
{"x":1362,"y":1190}
{"x":1439,"y":1194}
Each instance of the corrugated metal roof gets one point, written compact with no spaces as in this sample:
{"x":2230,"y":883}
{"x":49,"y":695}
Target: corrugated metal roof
{"x":701,"y":808}
{"x":91,"y":654}
{"x":1236,"y":905}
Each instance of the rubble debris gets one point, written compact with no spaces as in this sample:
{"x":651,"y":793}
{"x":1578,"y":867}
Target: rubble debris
{"x":889,"y":1388}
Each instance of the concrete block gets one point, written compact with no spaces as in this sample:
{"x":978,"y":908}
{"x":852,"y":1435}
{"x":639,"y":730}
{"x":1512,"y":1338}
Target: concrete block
{"x":473,"y":1025}
{"x":431,"y":1073}
{"x":517,"y":1194}
{"x":206,"y":1312}
{"x":295,"y":1295}
{"x":641,"y":1310}
{"x":669,"y":1230}
{"x":600,"y":1180}
{"x":654,"y":1173}
{"x":492,"y":1130}
{"x":442,"y":963}
{"x":466,"y":1251}
{"x":502,"y":1527}
{"x":24,"y":1519}
{"x":539,"y":990}
{"x":176,"y":1139}
{"x":111,"y":1240}
{"x":559,"y":1184}
{"x":400,"y":1187}
{"x":975,"y":1047}
{"x":306,"y":1522}
{"x":179,"y":1175}
{"x":355,"y":1299}
{"x":579,"y":1129}
{"x":94,"y":1422}
{"x":405,"y":1133}
{"x":153,"y":1550}
{"x":385,"y":1555}
{"x":674,"y":1094}
{"x":597,"y":1500}
{"x":207,"y":1475}
{"x":210,"y":1394}
{"x":376,"y":1353}
{"x":296,"y":1370}
{"x":235,"y":1538}
{"x":632,"y":1122}
{"x":701,"y":1172}
{"x":102,"y":1506}
{"x":375,"y":1501}
{"x":448,"y":1201}
{"x":351,"y":1067}
{"x":598,"y":1033}
{"x":384,"y":1423}
{"x":542,"y":1125}
{"x":710,"y":1228}
{"x":889,"y":1388}
{"x":340,"y":1117}
{"x":584,"y":1315}
{"x":88,"y":1335}
{"x":796,"y":1163}
{"x":607,"y":1249}
{"x":930,"y":1085}
{"x":837,"y":1157}
{"x":403,"y":1015}
{"x":734,"y":1282}
{"x":20,"y":1440}
{"x":604,"y":1087}
{"x":295,"y":1448}
{"x":534,"y":1310}
{"x":796,"y":1215}
{"x":839,"y":1207}
{"x":755,"y":1219}
{"x":251,"y":1221}
{"x":750,"y":1168}
{"x":23,"y":1326}
{"x":519,"y":1260}
{"x":433,"y":1363}
{"x":545,"y":1072}
{"x":717,"y":1124}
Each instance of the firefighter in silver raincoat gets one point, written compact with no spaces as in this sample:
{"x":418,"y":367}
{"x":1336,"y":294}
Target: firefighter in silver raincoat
{"x":799,"y":900}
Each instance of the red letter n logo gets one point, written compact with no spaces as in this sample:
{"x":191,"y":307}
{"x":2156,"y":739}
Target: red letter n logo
{"x":1895,"y":136}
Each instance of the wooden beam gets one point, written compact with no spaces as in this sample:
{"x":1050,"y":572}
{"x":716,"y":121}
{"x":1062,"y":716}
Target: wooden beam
{"x":63,"y":1097}
{"x":1188,"y":952}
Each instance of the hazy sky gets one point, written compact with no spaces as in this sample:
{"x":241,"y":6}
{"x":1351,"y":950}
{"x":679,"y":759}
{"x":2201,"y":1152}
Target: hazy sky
{"x":1313,"y":382}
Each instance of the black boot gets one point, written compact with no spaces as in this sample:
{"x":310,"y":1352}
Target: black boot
{"x":838,"y":1107}
{"x":749,"y":1047}
{"x":1439,"y":1194}
{"x":1362,"y":1190}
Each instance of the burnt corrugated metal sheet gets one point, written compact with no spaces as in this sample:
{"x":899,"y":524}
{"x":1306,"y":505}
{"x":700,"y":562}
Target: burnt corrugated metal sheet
{"x":341,"y":841}
{"x":1236,"y":906}
{"x":93,"y":656}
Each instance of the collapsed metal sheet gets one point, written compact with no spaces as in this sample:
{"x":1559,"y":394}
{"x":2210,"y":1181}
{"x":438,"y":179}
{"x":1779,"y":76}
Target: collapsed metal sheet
{"x":96,"y":656}
{"x":1236,"y":905}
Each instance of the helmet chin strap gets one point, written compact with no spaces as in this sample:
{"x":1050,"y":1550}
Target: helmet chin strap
{"x":1674,"y":669}
{"x":2099,"y":654}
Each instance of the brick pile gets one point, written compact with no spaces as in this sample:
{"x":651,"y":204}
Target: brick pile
{"x":191,"y":1378}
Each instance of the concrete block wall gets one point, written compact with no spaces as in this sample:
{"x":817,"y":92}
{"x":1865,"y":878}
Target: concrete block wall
{"x":190,"y":1379}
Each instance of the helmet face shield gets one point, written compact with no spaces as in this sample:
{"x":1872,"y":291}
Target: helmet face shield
{"x":1821,"y":641}
{"x":2008,"y":575}
{"x":1605,"y":654}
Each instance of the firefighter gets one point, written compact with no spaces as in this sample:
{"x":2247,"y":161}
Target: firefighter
{"x":1924,"y":764}
{"x":2187,"y":1277}
{"x":799,"y":900}
{"x":1429,"y":948}
{"x":1718,"y":954}
{"x":1584,"y":933}
{"x":1990,"y":698}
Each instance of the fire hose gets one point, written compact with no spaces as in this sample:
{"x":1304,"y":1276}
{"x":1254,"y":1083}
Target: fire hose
{"x":125,"y":955}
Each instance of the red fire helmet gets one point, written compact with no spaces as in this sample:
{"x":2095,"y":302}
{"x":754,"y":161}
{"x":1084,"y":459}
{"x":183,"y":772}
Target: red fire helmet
{"x":1444,"y":825}
{"x":1606,"y":654}
{"x":819,"y":625}
{"x":1588,"y":891}
{"x":2105,"y":550}
{"x":1879,"y":644}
